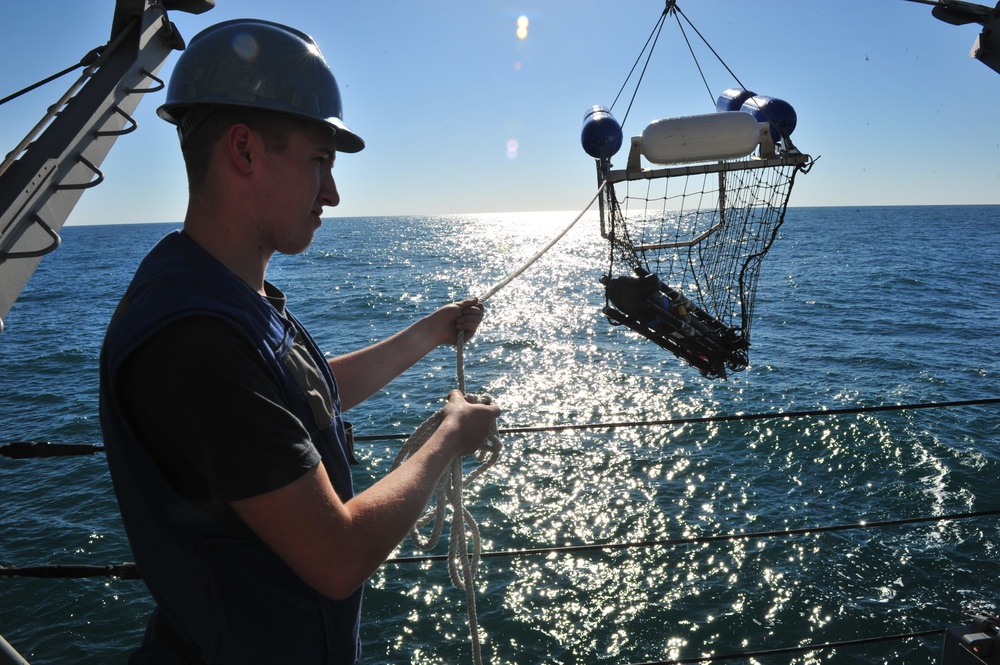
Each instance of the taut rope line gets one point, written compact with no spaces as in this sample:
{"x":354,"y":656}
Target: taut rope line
{"x":527,"y":264}
{"x":449,"y":488}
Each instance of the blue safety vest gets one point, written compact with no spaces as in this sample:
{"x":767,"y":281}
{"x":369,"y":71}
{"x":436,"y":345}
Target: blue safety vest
{"x":225,"y":598}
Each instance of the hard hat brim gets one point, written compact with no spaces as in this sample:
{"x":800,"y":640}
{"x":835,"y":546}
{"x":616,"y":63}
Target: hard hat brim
{"x":344,"y":138}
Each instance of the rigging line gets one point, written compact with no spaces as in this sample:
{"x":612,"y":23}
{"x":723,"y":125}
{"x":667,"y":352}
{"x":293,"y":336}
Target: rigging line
{"x":799,"y":649}
{"x":449,"y":490}
{"x":102,"y":55}
{"x":488,"y":454}
{"x":717,"y":56}
{"x":697,"y":64}
{"x":656,"y":32}
{"x":703,"y":540}
{"x":84,"y":62}
{"x":645,"y":66}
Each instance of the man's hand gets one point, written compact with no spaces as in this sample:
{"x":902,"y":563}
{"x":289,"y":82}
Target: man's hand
{"x":471,"y":422}
{"x":462,"y":316}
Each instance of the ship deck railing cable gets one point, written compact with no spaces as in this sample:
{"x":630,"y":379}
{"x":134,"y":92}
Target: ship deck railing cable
{"x":701,"y":540}
{"x":129,"y":571}
{"x":33,"y":449}
{"x":694,"y":420}
{"x":804,"y":648}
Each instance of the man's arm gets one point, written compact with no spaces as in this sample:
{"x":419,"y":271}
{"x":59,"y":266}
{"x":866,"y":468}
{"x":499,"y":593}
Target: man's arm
{"x":363,"y":373}
{"x":335,"y":546}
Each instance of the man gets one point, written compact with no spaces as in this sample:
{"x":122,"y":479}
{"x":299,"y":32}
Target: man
{"x":221,"y":417}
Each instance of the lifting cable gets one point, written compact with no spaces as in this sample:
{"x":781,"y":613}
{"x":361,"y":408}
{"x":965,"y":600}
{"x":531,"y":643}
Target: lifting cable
{"x":671,"y":8}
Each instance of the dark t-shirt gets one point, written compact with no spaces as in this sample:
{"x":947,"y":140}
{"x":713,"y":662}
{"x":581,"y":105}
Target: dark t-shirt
{"x":203,"y":403}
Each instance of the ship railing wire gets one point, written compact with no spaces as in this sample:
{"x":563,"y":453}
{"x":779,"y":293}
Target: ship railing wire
{"x":128,"y":571}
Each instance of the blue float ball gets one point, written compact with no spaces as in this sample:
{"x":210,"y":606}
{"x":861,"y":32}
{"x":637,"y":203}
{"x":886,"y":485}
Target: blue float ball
{"x":732,"y":99}
{"x":601,"y":135}
{"x":778,"y":113}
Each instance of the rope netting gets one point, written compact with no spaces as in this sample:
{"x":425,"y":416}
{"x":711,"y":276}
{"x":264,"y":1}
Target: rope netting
{"x":686,"y":250}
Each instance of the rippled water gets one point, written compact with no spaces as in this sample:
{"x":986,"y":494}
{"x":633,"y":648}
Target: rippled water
{"x":855,"y":308}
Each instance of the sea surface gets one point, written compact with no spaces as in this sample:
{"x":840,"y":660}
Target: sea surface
{"x":856,"y":307}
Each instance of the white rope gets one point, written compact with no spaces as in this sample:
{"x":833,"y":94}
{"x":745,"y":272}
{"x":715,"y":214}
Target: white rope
{"x":542,"y":251}
{"x":461,"y":566}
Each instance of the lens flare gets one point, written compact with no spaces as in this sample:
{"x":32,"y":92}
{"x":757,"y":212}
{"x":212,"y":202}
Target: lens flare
{"x":522,"y":27}
{"x":512,"y":149}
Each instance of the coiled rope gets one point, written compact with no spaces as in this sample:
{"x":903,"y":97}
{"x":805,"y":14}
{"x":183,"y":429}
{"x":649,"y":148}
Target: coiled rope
{"x":462,"y":566}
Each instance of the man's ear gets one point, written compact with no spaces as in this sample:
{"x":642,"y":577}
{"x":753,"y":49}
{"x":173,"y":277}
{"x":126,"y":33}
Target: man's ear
{"x":242,"y":145}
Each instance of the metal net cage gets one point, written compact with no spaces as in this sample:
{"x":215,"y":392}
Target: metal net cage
{"x":687,"y":244}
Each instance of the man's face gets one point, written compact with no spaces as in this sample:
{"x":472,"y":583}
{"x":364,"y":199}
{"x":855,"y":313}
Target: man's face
{"x":297,"y":184}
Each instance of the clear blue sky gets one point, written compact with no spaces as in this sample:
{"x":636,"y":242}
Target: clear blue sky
{"x":885,"y":94}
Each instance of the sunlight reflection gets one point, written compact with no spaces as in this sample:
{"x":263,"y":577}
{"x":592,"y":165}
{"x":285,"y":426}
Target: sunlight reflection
{"x":246,"y":47}
{"x":549,"y":357}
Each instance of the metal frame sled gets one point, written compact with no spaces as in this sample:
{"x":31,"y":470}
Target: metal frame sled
{"x":664,"y":316}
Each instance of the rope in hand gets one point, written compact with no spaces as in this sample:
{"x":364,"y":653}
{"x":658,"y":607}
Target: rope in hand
{"x":448,"y":492}
{"x":461,"y":566}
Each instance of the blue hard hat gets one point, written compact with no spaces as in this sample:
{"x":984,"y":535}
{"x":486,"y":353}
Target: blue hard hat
{"x":261,"y":65}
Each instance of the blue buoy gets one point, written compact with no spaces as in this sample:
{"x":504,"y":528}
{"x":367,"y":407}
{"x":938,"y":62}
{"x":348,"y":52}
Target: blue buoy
{"x":601,"y":135}
{"x":776,"y":112}
{"x":732,"y":99}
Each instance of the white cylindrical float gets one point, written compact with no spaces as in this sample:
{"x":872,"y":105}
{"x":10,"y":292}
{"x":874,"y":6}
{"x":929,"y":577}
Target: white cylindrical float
{"x":700,"y":138}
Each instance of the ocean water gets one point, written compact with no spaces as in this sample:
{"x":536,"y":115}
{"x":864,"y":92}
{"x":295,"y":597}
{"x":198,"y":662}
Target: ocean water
{"x":856,"y":307}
